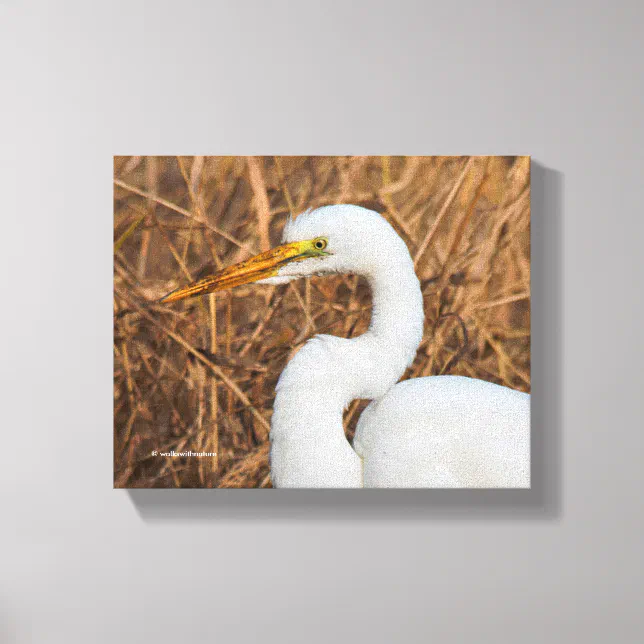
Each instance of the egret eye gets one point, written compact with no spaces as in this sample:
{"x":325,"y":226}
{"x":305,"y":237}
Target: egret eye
{"x":320,"y":244}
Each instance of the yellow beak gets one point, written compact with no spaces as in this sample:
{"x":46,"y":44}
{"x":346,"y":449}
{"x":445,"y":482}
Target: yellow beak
{"x":256,"y":268}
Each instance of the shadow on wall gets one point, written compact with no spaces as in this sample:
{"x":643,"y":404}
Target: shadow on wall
{"x":542,"y":502}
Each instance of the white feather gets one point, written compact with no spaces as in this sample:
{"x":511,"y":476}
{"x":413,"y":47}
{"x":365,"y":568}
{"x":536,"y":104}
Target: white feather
{"x":428,"y":432}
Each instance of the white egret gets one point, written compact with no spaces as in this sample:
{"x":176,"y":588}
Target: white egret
{"x":437,"y":431}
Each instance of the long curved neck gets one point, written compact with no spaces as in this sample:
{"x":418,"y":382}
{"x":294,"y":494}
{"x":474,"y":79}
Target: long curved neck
{"x":309,"y":447}
{"x":397,"y":315}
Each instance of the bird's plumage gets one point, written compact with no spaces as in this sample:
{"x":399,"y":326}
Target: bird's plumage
{"x":439,"y":431}
{"x":456,"y":431}
{"x":427,"y":432}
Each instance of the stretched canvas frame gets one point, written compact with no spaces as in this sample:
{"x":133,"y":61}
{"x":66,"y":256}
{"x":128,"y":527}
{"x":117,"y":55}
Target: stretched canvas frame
{"x":194,"y":381}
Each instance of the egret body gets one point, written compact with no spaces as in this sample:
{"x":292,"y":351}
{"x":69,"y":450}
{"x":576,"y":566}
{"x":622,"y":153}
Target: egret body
{"x":438,"y":431}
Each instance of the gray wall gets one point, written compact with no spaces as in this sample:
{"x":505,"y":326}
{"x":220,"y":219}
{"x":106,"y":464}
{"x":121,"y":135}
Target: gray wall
{"x":81,"y":81}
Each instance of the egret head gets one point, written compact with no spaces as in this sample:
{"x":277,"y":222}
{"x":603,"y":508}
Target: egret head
{"x":331,"y":239}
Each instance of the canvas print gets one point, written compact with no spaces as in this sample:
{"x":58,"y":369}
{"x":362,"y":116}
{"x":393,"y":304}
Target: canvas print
{"x":322,"y":322}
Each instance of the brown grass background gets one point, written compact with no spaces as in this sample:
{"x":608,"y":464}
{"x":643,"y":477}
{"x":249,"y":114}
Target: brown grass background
{"x":200,"y":375}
